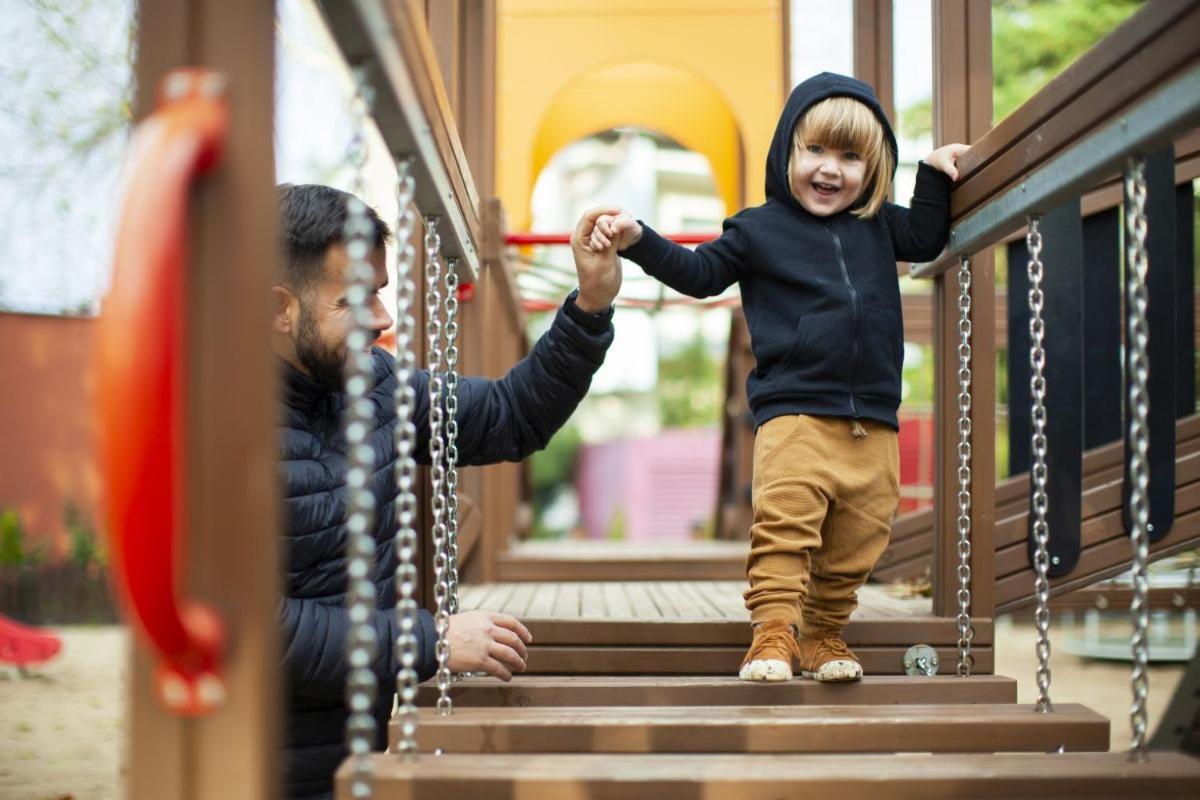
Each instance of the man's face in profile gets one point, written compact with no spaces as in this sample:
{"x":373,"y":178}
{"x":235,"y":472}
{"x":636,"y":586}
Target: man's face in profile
{"x":325,"y":318}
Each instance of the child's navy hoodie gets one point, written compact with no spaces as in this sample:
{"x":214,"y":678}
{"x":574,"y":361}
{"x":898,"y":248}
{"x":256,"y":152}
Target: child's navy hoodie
{"x":820,"y":294}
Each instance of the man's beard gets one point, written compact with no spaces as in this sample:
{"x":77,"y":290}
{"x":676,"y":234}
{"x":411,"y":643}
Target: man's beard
{"x":325,"y":366}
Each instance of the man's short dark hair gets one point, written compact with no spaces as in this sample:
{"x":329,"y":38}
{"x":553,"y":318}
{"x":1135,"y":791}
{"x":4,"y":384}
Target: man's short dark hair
{"x":312,"y":218}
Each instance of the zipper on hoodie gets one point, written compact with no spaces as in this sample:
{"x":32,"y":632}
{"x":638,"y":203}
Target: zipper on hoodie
{"x":856,"y":314}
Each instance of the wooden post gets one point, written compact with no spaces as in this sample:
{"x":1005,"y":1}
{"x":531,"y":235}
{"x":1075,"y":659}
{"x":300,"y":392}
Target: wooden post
{"x":232,"y":492}
{"x":476,"y":112}
{"x":962,"y":80}
{"x":873,"y":50}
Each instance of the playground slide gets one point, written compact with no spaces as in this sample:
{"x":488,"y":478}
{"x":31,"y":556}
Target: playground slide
{"x":22,"y":646}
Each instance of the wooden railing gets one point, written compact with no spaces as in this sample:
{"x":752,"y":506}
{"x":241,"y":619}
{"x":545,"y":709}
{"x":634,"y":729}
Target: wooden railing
{"x":390,"y":42}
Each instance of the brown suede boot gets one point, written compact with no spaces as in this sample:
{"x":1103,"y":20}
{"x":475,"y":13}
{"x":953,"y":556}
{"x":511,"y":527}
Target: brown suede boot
{"x":828,"y":659}
{"x":771,"y":653}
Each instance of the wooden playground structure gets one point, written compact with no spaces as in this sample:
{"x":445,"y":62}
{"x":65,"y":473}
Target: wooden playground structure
{"x":631,"y":690}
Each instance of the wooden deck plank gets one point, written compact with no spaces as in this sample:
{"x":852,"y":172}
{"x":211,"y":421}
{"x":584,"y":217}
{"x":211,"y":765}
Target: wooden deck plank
{"x":643,"y":604}
{"x":568,"y":605}
{"x":591,"y":604}
{"x":770,"y":777}
{"x":664,"y":599}
{"x":544,"y":597}
{"x":765,"y":729}
{"x":617,"y":601}
{"x":532,"y":691}
{"x":522,"y":596}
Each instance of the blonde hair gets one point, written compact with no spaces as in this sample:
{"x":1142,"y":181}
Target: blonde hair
{"x":843,"y":123}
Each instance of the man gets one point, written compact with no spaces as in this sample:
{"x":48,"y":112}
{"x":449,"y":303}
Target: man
{"x":501,"y":420}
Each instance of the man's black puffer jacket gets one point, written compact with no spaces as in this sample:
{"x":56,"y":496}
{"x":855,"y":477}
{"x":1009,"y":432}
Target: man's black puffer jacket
{"x":501,"y":420}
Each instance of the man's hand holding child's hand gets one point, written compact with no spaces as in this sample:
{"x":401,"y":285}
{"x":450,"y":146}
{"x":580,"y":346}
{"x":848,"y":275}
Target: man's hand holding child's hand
{"x":945,"y":158}
{"x":619,"y":229}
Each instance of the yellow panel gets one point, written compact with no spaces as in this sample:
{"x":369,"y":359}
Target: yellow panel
{"x":708,"y":73}
{"x":651,"y":96}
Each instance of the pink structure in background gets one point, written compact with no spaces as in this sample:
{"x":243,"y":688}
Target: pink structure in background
{"x":665,"y":486}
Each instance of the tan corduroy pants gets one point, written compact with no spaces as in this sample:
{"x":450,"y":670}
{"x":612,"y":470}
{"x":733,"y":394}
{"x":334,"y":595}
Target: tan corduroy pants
{"x":823,"y":500}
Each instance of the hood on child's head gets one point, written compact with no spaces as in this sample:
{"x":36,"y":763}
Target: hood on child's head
{"x":803,"y":97}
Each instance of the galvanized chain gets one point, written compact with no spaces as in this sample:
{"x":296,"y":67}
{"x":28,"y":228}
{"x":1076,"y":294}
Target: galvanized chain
{"x":406,"y":465}
{"x":361,"y":644}
{"x":437,"y":468}
{"x":965,"y":631}
{"x":1137,"y":345}
{"x":1037,"y":471}
{"x":452,"y":431}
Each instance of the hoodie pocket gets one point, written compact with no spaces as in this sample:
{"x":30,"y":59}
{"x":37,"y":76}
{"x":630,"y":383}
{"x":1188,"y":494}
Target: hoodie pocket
{"x":883,"y":353}
{"x":820,"y":353}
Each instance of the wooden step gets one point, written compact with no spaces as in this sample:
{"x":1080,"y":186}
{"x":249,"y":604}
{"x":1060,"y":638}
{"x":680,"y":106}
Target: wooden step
{"x":641,"y":690}
{"x":597,"y":560}
{"x":763,"y":729}
{"x":770,"y":777}
{"x":699,"y":660}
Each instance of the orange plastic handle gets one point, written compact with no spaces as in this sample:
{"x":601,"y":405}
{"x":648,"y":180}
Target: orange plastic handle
{"x":141,"y":353}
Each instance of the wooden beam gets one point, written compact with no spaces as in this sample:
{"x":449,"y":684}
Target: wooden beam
{"x":754,"y":777}
{"x":962,"y":45}
{"x":231,"y":561}
{"x":754,"y":729}
{"x":873,"y":50}
{"x":540,"y":691}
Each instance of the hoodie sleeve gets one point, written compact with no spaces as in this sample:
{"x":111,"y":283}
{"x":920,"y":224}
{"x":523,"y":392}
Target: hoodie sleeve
{"x":510,"y":418}
{"x":314,"y":647}
{"x":708,"y":270}
{"x":919,"y":233}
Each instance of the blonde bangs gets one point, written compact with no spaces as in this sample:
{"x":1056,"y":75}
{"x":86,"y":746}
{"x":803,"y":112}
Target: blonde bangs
{"x":842,"y":123}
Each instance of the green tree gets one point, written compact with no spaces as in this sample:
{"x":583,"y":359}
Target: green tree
{"x":1032,"y":42}
{"x":690,"y":386}
{"x":1035,"y":40}
{"x":12,"y":539}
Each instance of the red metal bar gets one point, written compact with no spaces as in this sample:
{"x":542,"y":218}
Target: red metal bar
{"x":141,"y":376}
{"x":565,"y":238}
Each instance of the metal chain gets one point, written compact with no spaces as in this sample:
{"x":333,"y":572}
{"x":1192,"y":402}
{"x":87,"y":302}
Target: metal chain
{"x":452,"y":432}
{"x":1037,"y":472}
{"x":1138,"y":413}
{"x":361,"y":644}
{"x":406,"y":465}
{"x":965,"y":631}
{"x":433,"y":328}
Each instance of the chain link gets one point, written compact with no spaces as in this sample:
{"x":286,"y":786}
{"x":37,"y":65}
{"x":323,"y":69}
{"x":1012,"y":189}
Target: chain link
{"x":361,"y":643}
{"x":433,"y":329}
{"x":452,"y":432}
{"x":965,"y":631}
{"x":1037,"y":472}
{"x":406,"y":465}
{"x":1138,"y":413}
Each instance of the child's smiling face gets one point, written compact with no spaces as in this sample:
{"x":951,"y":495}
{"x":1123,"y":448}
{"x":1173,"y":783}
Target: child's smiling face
{"x":825,"y":180}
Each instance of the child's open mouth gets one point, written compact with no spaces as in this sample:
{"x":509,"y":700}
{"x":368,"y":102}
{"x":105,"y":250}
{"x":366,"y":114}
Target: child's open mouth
{"x":825,"y":189}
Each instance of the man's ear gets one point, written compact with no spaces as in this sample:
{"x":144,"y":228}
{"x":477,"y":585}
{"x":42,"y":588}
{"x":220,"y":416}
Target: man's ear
{"x":285,"y":307}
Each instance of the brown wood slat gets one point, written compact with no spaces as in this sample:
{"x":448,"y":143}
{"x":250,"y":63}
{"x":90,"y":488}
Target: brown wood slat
{"x":700,"y":660}
{"x":771,"y":777}
{"x":606,"y":561}
{"x":714,"y":632}
{"x":528,"y":691}
{"x":764,"y":729}
{"x":1096,"y":530}
{"x":1103,"y":474}
{"x":1097,"y":563}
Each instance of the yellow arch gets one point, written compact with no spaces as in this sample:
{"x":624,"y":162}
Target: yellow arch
{"x":653,"y":96}
{"x":553,"y":58}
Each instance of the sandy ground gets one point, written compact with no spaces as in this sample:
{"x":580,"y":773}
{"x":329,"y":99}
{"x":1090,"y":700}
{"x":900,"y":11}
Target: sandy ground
{"x":62,"y":731}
